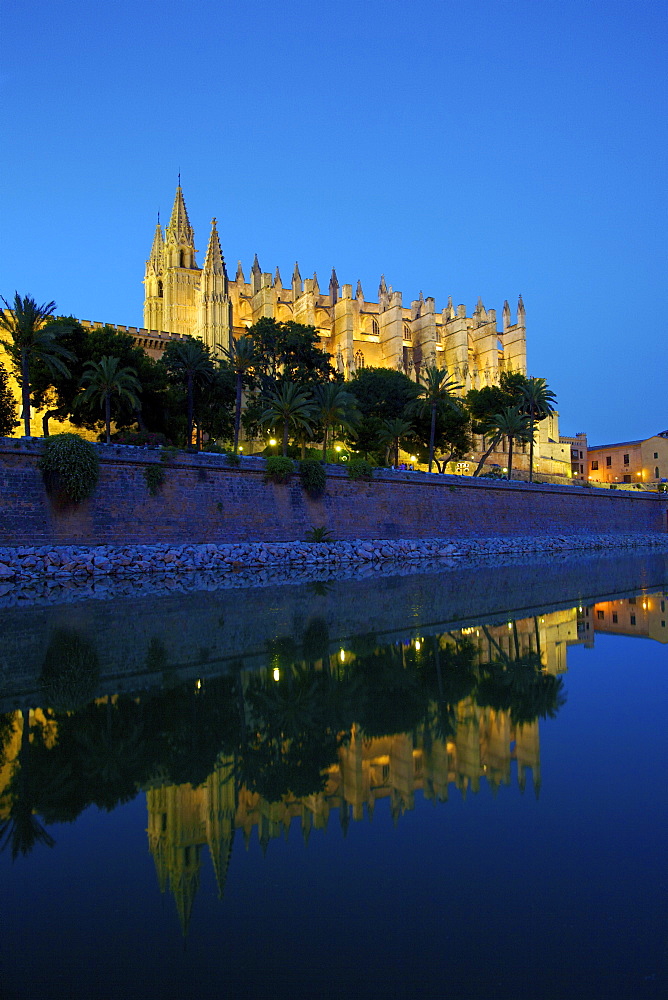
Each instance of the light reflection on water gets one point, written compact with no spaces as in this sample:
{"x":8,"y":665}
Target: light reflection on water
{"x":252,"y":780}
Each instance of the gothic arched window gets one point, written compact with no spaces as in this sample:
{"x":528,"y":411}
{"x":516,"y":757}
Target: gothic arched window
{"x":159,"y":289}
{"x":375,"y":330}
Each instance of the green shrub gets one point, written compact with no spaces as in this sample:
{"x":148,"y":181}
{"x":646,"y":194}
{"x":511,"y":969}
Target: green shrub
{"x":168,"y":453}
{"x":319,"y":535}
{"x":155,"y":477}
{"x":233,"y":459}
{"x":359,"y":468}
{"x":313,"y":477}
{"x":70,"y":466}
{"x":213,"y":448}
{"x":279,"y":469}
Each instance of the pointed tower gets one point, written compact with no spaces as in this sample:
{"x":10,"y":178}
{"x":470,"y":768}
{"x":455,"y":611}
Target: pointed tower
{"x":256,"y":275}
{"x":153,"y":282}
{"x":334,"y":287}
{"x":214,"y":322}
{"x":297,"y":286}
{"x":181,"y":273}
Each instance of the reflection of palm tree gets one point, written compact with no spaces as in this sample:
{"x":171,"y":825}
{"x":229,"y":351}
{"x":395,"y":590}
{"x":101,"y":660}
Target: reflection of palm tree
{"x":22,"y":829}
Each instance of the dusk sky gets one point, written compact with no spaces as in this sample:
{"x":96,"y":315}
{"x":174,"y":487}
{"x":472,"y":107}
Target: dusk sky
{"x":470,"y":148}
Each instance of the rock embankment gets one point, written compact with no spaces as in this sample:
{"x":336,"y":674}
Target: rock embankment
{"x":30,"y":563}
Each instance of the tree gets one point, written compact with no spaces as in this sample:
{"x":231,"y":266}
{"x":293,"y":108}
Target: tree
{"x":392,"y":432}
{"x":188,"y":363}
{"x":485,"y":403}
{"x":8,"y":419}
{"x":452,"y":439}
{"x":514,"y":425}
{"x":381,"y":394}
{"x":34,"y":338}
{"x":537,"y":400}
{"x":434,"y":396}
{"x":289,"y":352}
{"x":334,"y":405}
{"x":289,"y":406}
{"x":105,"y":378}
{"x":242,"y":359}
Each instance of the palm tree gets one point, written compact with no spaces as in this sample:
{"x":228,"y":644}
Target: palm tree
{"x":242,"y":358}
{"x":391,"y":432}
{"x":537,"y":400}
{"x":334,"y":405}
{"x":289,"y":405}
{"x":434,"y":395}
{"x":103,"y":379}
{"x":514,"y":425}
{"x":190,"y":363}
{"x":34,"y":337}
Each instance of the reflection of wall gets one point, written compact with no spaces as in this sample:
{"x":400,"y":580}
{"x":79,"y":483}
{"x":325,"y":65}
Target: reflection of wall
{"x":182,"y":819}
{"x":645,"y":615}
{"x":202,"y":631}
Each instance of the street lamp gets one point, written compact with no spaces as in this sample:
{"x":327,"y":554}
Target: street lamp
{"x":272,"y":442}
{"x":337,"y":449}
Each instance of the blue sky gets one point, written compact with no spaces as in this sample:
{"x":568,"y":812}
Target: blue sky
{"x":471,"y":148}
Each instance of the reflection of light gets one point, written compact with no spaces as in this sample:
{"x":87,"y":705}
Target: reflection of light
{"x":277,"y":674}
{"x":342,"y":656}
{"x":418,"y":645}
{"x":644,"y":605}
{"x":198,"y":685}
{"x":510,"y":624}
{"x":580,"y":608}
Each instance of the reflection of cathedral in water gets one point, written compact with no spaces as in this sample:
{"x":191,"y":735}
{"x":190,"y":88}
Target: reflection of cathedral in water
{"x":182,"y":819}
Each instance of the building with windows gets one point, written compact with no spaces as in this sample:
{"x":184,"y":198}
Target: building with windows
{"x":629,"y":462}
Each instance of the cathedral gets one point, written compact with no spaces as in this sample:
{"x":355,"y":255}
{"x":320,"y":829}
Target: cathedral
{"x":182,"y":298}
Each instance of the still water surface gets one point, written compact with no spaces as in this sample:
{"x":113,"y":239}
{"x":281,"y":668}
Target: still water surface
{"x":468,"y":805}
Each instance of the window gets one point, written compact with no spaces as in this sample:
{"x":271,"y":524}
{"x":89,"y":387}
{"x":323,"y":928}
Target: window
{"x":594,"y":466}
{"x":600,"y":615}
{"x":656,"y":472}
{"x":627,"y":479}
{"x":608,"y":461}
{"x":159,"y":289}
{"x":633,"y":619}
{"x":632,"y":600}
{"x":615,"y":618}
{"x":656,"y":454}
{"x":374,"y":327}
{"x":581,"y":455}
{"x":626,"y":459}
{"x":581,"y":468}
{"x":663,"y":624}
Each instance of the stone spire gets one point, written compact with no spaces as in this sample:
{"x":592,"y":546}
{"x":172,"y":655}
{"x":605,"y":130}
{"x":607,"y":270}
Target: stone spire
{"x":506,"y":315}
{"x":256,"y":275}
{"x":521,"y":313}
{"x":180,"y":236}
{"x":296,"y":282}
{"x":214,"y":262}
{"x":334,"y":287}
{"x":316,"y":286}
{"x":155,"y":259}
{"x":239,"y":277}
{"x":277,"y":280}
{"x":359,"y":294}
{"x":383,"y":295}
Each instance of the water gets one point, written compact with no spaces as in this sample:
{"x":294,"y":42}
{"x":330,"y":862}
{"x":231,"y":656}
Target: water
{"x":422,"y":786}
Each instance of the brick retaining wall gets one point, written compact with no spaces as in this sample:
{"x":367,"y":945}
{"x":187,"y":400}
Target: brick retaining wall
{"x":205,"y":500}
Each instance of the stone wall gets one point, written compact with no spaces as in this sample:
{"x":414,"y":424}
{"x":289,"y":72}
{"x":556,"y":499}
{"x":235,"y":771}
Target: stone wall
{"x":205,"y":500}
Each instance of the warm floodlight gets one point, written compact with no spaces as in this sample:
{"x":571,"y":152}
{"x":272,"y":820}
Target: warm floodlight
{"x":277,"y":674}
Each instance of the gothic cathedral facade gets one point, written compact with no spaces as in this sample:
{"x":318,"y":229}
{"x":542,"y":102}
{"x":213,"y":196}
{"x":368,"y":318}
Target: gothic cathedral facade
{"x":182,"y":298}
